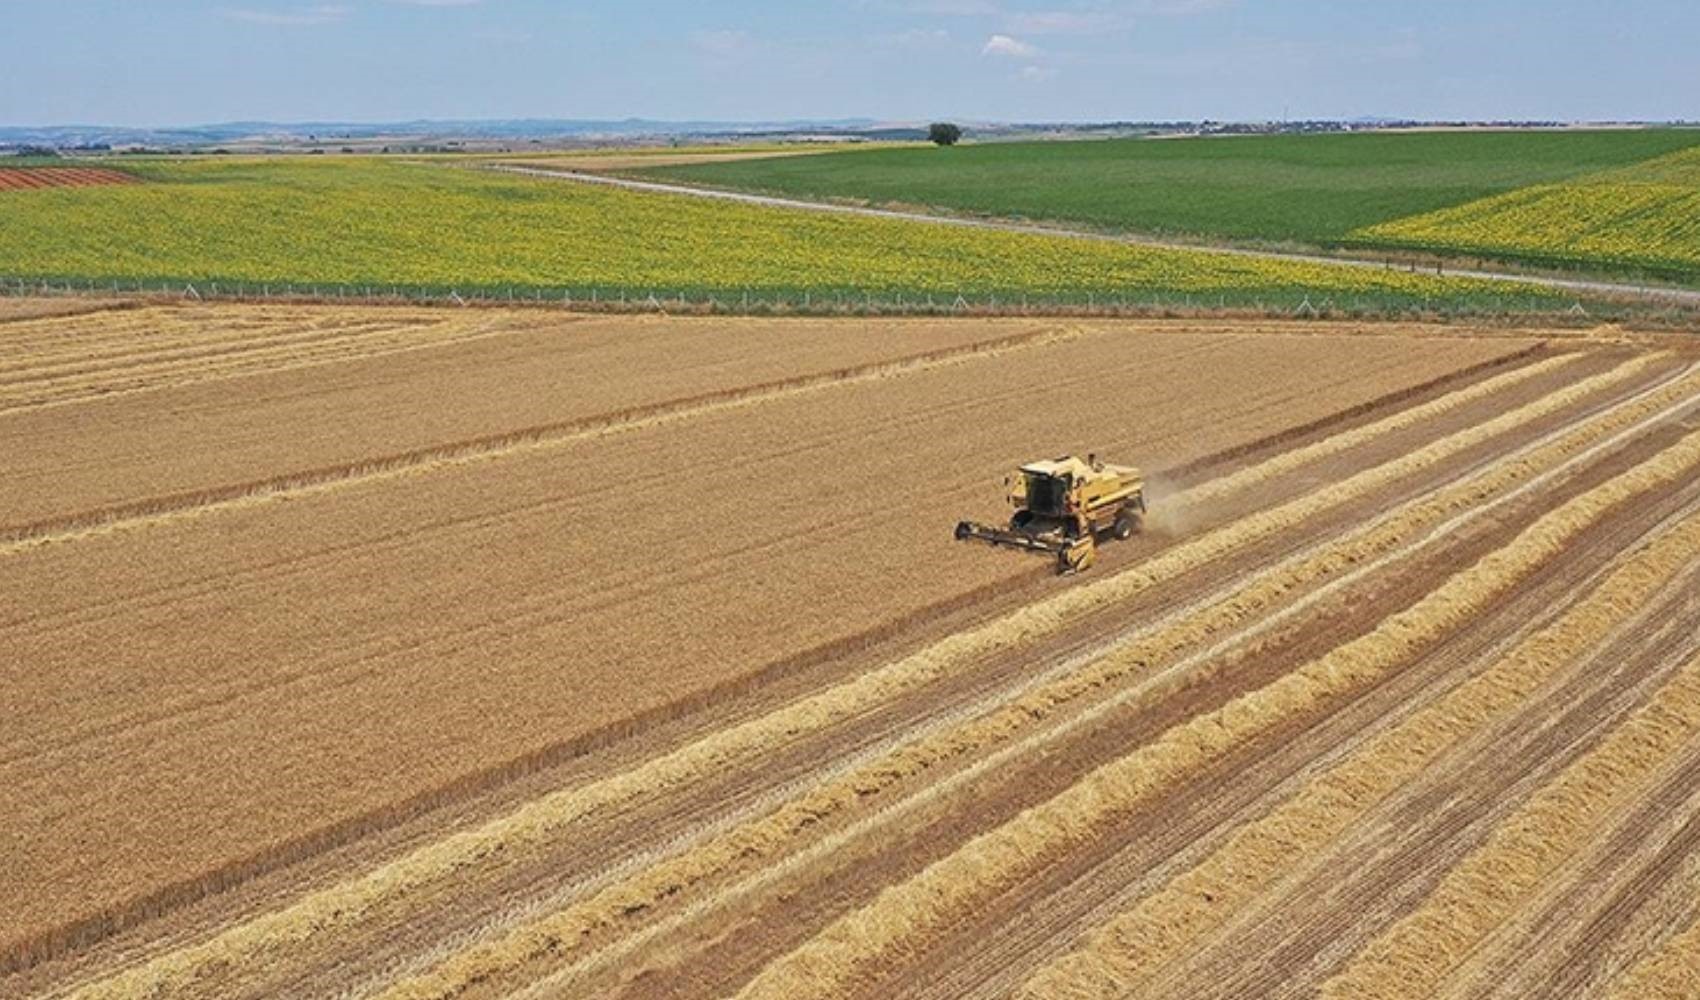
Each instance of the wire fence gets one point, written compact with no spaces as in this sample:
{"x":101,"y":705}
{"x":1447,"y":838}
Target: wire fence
{"x":1295,"y":303}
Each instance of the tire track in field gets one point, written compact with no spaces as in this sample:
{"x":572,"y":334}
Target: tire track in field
{"x":1024,"y":709}
{"x":904,"y":915}
{"x":196,"y":503}
{"x":1122,"y":953}
{"x":543,"y":818}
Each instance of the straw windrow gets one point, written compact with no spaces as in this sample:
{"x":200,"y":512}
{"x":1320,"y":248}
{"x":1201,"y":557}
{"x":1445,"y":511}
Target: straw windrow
{"x":1125,"y":951}
{"x":541,"y":821}
{"x":1413,"y":957}
{"x":903,"y":916}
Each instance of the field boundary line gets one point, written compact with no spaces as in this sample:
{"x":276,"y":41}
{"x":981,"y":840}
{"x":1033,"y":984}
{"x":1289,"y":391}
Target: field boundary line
{"x":195,"y":503}
{"x":1509,"y":278}
{"x":543,"y":817}
{"x":1122,"y":950}
{"x":905,"y":913}
{"x":1002,"y":715}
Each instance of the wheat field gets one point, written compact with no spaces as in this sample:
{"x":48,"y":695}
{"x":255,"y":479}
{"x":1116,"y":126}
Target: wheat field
{"x":397,"y":652}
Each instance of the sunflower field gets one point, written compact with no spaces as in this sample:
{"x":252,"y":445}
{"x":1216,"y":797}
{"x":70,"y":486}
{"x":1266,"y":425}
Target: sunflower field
{"x":1640,"y":218}
{"x":361,"y":222}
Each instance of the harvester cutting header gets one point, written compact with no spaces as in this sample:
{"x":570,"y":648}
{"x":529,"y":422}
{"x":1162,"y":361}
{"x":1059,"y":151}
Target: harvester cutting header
{"x":1062,"y":506}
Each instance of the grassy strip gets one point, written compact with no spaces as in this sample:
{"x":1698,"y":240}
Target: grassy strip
{"x":903,"y":916}
{"x":1122,"y":953}
{"x":1671,"y":973}
{"x":547,"y":818}
{"x":1414,"y":956}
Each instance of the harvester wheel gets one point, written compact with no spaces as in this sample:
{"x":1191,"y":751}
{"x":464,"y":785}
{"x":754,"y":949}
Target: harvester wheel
{"x":1127,"y":523}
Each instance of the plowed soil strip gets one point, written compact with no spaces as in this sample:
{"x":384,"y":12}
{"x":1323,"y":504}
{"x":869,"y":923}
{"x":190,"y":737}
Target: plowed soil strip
{"x":1126,"y":950}
{"x":905,"y":915}
{"x":541,"y":820}
{"x":160,"y":510}
{"x":24,"y":178}
{"x":553,"y":934}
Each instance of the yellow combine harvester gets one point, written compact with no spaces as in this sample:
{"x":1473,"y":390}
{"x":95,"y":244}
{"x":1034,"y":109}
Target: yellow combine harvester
{"x":1062,"y":506}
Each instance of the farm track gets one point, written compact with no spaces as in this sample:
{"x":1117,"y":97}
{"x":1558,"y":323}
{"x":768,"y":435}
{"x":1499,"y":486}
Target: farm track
{"x":1333,"y":582}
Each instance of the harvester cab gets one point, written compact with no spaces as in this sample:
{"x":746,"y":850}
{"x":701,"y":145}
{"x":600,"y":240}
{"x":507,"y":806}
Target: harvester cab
{"x":1063,"y":506}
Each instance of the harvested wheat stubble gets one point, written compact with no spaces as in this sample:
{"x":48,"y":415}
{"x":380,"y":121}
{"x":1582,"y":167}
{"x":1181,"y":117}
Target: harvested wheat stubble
{"x":308,"y":614}
{"x":1126,"y":950}
{"x":547,"y":818}
{"x":21,"y":310}
{"x":1335,"y":444}
{"x":559,"y":932}
{"x":904,"y":915}
{"x":1414,"y":956}
{"x":1671,"y":973}
{"x":373,"y":469}
{"x":54,"y":362}
{"x":663,"y":882}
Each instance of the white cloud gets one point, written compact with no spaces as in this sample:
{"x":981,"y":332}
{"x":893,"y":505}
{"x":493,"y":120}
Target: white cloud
{"x":1037,"y":74}
{"x":1004,"y":45}
{"x":317,"y":14}
{"x":439,"y":3}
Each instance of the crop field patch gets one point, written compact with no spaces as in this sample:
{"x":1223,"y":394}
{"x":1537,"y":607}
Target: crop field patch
{"x":372,"y":226}
{"x":1311,"y":189}
{"x":1645,"y":216}
{"x":33,"y":178}
{"x":390,"y":652}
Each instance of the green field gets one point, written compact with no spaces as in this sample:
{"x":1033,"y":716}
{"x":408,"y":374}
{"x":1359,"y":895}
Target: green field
{"x":1324,"y":190}
{"x":368,"y":223}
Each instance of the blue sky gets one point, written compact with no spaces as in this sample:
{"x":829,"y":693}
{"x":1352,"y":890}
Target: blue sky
{"x":129,"y":62}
